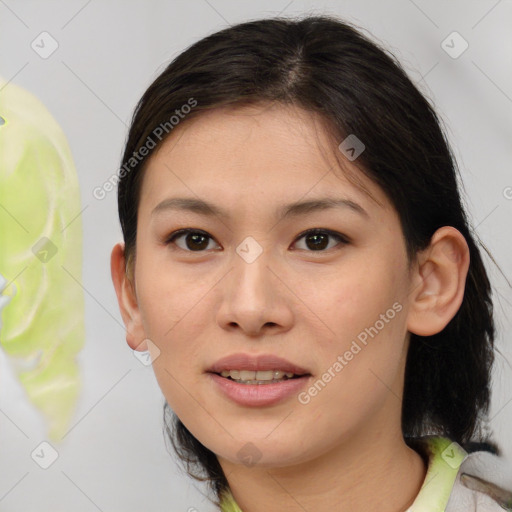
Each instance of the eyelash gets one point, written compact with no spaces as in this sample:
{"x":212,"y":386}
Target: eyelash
{"x":343,"y":240}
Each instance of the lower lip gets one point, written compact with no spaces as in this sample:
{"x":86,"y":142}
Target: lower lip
{"x":258,"y":395}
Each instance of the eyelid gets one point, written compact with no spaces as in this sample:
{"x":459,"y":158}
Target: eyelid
{"x":342,"y":239}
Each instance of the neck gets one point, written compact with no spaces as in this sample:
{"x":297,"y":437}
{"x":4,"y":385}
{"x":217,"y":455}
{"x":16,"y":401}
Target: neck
{"x":367,"y":471}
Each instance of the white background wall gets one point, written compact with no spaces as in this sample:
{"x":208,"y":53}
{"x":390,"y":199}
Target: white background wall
{"x":109,"y":52}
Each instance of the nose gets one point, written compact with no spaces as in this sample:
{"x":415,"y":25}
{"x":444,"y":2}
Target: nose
{"x":255,"y":298}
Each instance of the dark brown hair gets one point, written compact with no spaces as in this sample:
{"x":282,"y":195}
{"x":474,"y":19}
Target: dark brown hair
{"x":327,"y":66}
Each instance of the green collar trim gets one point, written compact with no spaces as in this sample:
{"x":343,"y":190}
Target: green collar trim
{"x":228,"y":503}
{"x":445,"y":458}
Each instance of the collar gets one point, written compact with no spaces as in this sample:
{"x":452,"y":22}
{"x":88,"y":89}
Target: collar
{"x":444,"y":460}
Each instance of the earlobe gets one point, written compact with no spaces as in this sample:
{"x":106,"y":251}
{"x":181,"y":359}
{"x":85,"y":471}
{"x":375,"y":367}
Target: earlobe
{"x":127,"y":300}
{"x":439,"y":282}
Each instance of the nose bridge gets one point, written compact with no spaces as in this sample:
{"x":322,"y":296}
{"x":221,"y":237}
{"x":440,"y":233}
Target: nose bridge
{"x":250,"y":275}
{"x":249,"y":300}
{"x":253,"y":297}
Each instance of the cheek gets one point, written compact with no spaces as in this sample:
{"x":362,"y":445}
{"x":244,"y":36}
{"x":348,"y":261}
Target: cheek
{"x":362,"y":312}
{"x":169,"y":322}
{"x":351,"y":297}
{"x":167,"y":299}
{"x":172,"y":309}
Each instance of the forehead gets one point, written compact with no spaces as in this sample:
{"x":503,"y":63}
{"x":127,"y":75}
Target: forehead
{"x":263,"y":150}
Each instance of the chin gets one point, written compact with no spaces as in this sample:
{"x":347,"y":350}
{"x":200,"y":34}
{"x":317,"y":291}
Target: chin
{"x":261,"y":452}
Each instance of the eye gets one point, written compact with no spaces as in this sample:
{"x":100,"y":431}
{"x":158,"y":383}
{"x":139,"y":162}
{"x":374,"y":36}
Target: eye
{"x":197,"y":240}
{"x":318,"y":239}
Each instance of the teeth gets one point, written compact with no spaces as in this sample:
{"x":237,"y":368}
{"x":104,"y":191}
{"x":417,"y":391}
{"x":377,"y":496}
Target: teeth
{"x":247,"y":375}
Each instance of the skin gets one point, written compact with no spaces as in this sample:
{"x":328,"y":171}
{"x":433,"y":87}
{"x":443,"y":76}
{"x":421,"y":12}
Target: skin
{"x":344,"y":450}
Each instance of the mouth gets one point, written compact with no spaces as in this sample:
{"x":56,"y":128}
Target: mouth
{"x":254,"y":369}
{"x":260,"y":377}
{"x":260,"y":380}
{"x":259,"y":393}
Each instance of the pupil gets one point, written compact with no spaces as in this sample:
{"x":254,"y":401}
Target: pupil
{"x":195,"y":237}
{"x":318,"y":243}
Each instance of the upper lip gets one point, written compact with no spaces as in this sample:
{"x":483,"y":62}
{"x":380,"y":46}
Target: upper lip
{"x":256,"y":362}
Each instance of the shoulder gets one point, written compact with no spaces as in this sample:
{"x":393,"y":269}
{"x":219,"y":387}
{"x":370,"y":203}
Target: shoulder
{"x":483,"y":484}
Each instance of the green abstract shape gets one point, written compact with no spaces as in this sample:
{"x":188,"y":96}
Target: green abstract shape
{"x":41,"y":303}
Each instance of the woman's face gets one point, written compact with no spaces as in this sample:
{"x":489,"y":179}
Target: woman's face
{"x":252,"y":284}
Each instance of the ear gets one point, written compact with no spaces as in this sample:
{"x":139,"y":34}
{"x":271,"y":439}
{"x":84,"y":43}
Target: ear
{"x":127,"y":299}
{"x":438,"y":282}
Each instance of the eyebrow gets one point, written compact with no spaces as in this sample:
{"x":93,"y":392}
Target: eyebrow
{"x":298,"y":208}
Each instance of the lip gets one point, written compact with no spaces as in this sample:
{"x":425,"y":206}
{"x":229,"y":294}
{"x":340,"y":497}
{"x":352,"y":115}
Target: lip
{"x":259,"y":395}
{"x":255,"y":363}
